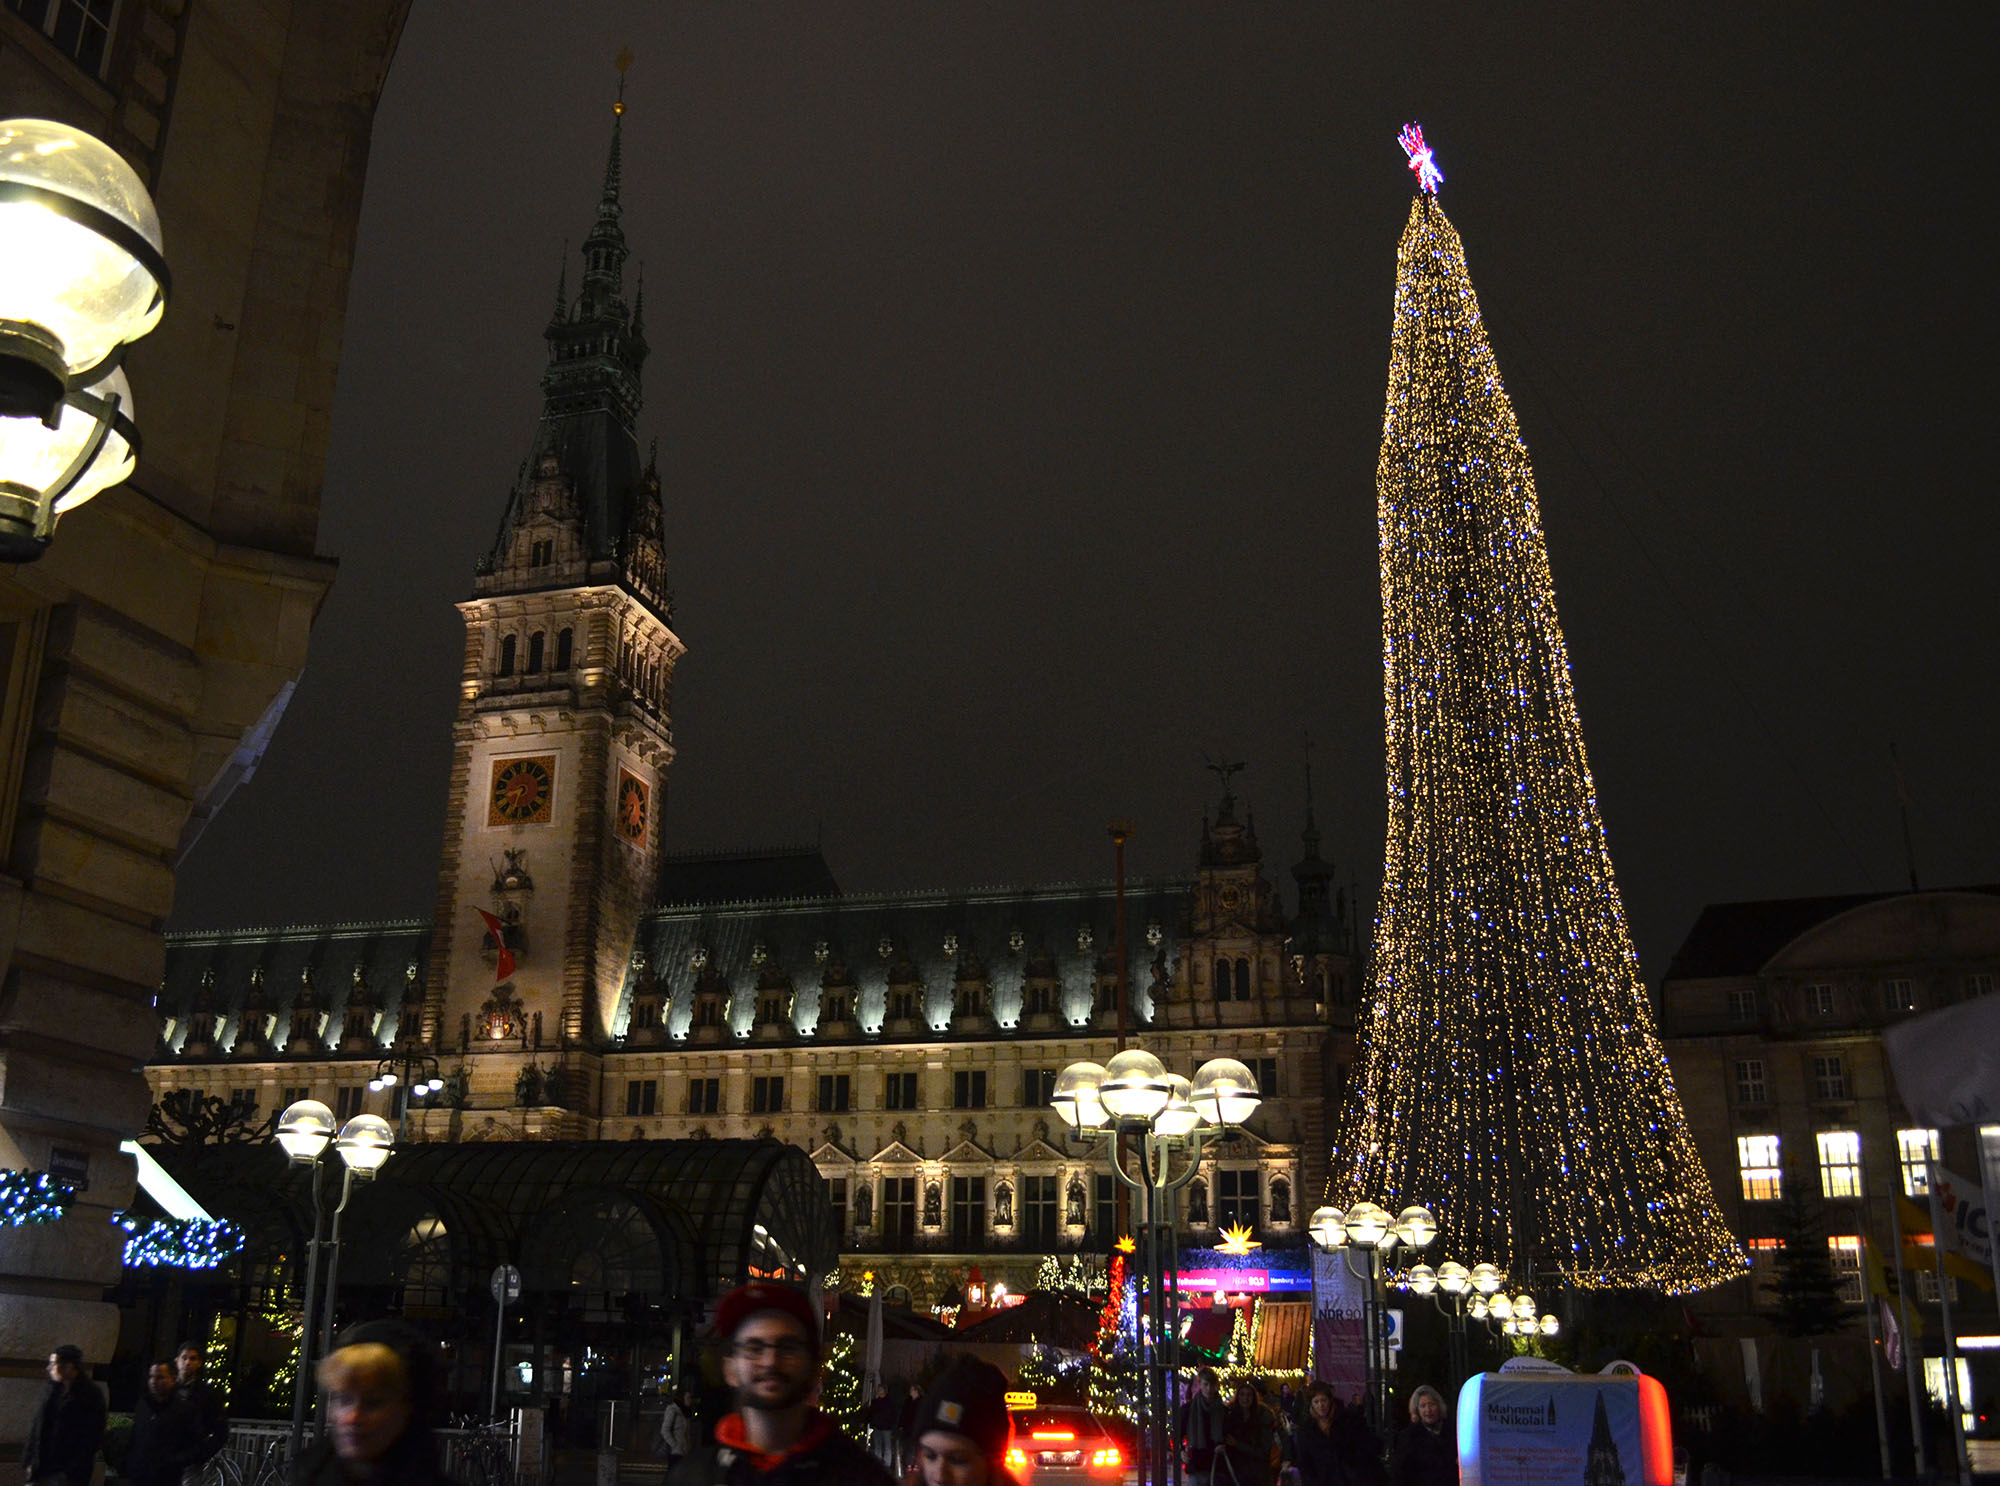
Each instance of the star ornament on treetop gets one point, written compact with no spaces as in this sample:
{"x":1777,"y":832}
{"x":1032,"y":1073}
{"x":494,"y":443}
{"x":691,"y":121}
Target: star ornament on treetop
{"x":1429,"y":177}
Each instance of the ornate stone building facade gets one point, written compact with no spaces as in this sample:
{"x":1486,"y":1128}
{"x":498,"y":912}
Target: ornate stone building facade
{"x":574,"y":983}
{"x":146,"y":658}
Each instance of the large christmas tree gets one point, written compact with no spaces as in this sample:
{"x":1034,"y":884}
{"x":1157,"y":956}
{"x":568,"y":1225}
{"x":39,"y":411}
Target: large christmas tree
{"x":1510,"y":1074}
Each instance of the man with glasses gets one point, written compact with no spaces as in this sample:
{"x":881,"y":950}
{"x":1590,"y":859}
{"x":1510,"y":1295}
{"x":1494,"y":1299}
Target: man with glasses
{"x":776,"y":1437}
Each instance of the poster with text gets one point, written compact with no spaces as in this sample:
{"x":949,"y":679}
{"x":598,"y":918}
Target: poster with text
{"x":1338,"y":1342}
{"x":1551,"y":1430}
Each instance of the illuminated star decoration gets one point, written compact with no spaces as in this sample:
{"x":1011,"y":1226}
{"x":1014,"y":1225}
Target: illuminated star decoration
{"x":1236,"y":1239}
{"x":1429,"y":177}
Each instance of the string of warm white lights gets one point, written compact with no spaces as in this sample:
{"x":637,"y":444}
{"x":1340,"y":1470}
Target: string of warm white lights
{"x":1510,"y":1074}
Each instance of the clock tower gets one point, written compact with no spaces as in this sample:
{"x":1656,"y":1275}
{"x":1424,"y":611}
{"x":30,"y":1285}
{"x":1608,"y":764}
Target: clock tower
{"x":562,"y":739}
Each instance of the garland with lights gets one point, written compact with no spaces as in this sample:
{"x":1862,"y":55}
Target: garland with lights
{"x":1510,"y":1073}
{"x":32,"y":1197}
{"x":178,"y":1243}
{"x":1114,"y":1369}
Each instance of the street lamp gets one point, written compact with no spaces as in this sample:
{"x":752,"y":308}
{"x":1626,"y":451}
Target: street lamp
{"x":413,"y":1076}
{"x":1171,"y":1120}
{"x":1369,"y":1231}
{"x":81,"y":276}
{"x":306,"y":1134}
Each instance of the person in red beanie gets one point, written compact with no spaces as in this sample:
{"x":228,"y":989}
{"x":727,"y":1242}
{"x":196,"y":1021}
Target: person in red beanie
{"x":771,"y":1359}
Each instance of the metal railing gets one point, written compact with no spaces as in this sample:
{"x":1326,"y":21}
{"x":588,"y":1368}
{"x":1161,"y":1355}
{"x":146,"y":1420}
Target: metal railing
{"x":255,"y":1455}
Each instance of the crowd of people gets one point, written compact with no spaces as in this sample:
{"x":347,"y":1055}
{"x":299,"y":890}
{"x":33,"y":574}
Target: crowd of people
{"x":1256,"y":1438}
{"x":178,"y":1423}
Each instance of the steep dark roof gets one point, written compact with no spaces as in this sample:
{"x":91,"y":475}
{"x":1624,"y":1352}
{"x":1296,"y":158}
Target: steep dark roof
{"x":745,"y":876}
{"x":1741,"y":938}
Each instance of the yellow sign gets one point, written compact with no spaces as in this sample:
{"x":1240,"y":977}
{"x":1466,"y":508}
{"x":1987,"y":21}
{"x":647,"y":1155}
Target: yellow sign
{"x":1020,"y":1399}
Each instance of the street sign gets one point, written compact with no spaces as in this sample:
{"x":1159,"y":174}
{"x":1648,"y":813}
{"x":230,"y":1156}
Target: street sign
{"x":506,"y":1284}
{"x":1392,"y":1328}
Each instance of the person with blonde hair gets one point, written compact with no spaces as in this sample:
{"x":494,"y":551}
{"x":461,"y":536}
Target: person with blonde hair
{"x":379,"y":1386}
{"x":1425,"y":1453}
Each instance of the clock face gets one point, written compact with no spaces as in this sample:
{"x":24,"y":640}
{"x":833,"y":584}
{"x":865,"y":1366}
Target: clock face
{"x":523,"y":790}
{"x":633,"y":802}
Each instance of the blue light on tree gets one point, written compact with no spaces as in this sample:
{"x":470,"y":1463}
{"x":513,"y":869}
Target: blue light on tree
{"x":178,"y":1243}
{"x":32,"y":1197}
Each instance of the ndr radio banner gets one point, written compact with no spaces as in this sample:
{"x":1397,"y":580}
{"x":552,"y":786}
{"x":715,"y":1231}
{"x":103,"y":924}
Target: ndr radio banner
{"x":1557,"y":1428}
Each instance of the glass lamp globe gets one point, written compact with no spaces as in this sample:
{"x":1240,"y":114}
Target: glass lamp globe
{"x":375,"y":1085}
{"x":1180,"y":1117}
{"x":1416,"y":1227}
{"x":304,"y":1129}
{"x":1367,"y":1226}
{"x":1477,"y":1308}
{"x":436,"y":1085}
{"x":1454,"y":1278}
{"x":1486,"y":1278}
{"x":1524,"y":1307}
{"x":389,"y":1079}
{"x":1076,"y":1096}
{"x":45,"y":471}
{"x":1550,"y":1326}
{"x":1510,"y":1327}
{"x":1135,"y":1085}
{"x":1327,"y":1227}
{"x":365,"y":1142}
{"x":1225,"y":1092}
{"x":1421,"y":1278}
{"x":80,"y":266}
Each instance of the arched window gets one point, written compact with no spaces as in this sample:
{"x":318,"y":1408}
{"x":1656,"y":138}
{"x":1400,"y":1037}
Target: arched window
{"x":1242,"y":966}
{"x":534,"y":652}
{"x":1221,"y":979}
{"x":565,"y":647}
{"x":507,"y":656}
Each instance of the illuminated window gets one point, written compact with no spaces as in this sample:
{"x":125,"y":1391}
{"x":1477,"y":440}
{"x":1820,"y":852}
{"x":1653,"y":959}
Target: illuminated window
{"x":1912,"y":1147}
{"x":1829,"y":1077}
{"x":1749,"y":1080}
{"x":1743,"y":1004}
{"x":1934,"y":1385}
{"x":1902,"y":996}
{"x":1819,"y":1000}
{"x":1757,"y":1156}
{"x":1839,"y":1163}
{"x":1927,"y":1283}
{"x":1845,"y":1251}
{"x":1764,"y":1254}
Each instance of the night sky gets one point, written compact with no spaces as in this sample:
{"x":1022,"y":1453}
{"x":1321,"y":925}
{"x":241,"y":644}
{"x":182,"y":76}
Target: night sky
{"x":1018,"y":372}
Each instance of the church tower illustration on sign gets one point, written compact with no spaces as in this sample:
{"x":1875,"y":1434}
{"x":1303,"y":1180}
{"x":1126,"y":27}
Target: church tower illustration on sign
{"x":562,"y":740}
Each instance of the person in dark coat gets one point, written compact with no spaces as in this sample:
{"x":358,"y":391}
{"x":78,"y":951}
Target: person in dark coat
{"x":960,"y":1430}
{"x":68,"y":1427}
{"x":1316,"y":1447}
{"x":1357,"y":1444}
{"x":1199,"y":1428}
{"x":166,"y":1432}
{"x":1249,"y":1454}
{"x":883,"y":1421}
{"x":207,"y":1403}
{"x":775,"y":1437}
{"x":1425,"y":1454}
{"x":380,"y":1385}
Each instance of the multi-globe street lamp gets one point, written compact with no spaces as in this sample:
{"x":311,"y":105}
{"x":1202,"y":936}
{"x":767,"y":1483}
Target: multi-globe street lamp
{"x":306,"y":1134}
{"x":1455,"y":1290}
{"x":1370,"y":1231}
{"x":81,"y":277}
{"x":411,"y":1076}
{"x":1170,"y":1120}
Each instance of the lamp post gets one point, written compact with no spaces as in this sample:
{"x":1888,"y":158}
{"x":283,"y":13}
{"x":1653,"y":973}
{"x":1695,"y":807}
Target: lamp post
{"x":305,"y":1131}
{"x":1170,"y":1120}
{"x":1372,"y":1233}
{"x":413,"y":1076}
{"x":1454,"y":1289}
{"x":81,"y":276}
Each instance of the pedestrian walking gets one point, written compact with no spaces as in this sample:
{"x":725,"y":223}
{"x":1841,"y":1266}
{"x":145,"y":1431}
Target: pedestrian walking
{"x":960,"y":1430}
{"x":205,"y":1402}
{"x":676,"y":1429}
{"x":380,"y":1387}
{"x":67,"y":1429}
{"x":1198,"y":1430}
{"x":1425,"y":1454}
{"x":884,"y":1419}
{"x":166,"y":1432}
{"x":775,"y":1437}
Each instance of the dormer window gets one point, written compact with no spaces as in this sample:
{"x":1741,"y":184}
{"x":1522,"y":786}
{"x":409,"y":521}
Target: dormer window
{"x":542,"y":553}
{"x":507,"y":656}
{"x":903,"y":1005}
{"x":837,"y":1009}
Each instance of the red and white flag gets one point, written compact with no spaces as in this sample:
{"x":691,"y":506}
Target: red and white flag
{"x":1892,"y":1338}
{"x":503,"y":966}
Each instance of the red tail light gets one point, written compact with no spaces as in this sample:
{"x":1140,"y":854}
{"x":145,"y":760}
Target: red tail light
{"x":1053,"y":1434}
{"x":1107,"y":1459}
{"x":1017,"y":1459}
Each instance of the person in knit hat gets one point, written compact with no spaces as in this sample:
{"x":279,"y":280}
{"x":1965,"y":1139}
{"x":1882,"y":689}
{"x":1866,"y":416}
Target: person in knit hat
{"x":962,"y":1427}
{"x":771,"y":1358}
